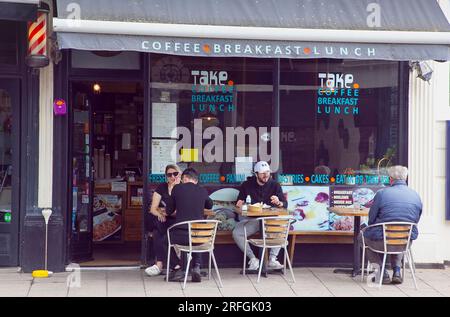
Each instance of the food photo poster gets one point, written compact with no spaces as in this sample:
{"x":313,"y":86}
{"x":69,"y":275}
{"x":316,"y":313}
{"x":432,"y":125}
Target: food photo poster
{"x":309,"y":205}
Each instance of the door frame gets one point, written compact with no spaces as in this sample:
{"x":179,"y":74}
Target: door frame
{"x":87,"y":236}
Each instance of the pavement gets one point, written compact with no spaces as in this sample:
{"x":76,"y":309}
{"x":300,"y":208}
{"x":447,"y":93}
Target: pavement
{"x":310,"y":282}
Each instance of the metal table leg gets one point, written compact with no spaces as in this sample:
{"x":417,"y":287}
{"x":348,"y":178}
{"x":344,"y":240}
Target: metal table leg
{"x":356,"y":250}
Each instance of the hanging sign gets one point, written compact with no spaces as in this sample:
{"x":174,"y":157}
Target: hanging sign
{"x":59,"y":107}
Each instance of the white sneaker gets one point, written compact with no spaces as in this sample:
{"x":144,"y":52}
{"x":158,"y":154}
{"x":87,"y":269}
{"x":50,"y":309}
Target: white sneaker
{"x":253,"y":264}
{"x":153,"y":270}
{"x":274,"y":264}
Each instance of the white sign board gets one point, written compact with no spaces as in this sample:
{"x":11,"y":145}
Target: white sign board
{"x":164,"y":119}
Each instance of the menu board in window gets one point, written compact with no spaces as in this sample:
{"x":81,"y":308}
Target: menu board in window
{"x":164,"y":119}
{"x":107,"y":217}
{"x":350,"y":197}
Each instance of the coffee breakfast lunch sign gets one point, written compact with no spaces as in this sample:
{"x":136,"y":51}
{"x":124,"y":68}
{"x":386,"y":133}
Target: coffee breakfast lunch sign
{"x":338,"y":93}
{"x":207,"y":47}
{"x":261,"y":49}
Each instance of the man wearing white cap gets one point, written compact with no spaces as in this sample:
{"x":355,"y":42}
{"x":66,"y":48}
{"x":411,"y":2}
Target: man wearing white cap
{"x":261,"y":188}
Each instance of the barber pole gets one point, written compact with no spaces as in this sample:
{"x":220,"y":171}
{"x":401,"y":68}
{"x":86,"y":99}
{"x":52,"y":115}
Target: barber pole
{"x":37,"y":39}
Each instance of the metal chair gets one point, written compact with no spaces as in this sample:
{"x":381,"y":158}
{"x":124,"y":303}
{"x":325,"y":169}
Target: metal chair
{"x":275,"y":231}
{"x":395,"y":234}
{"x":202,"y":235}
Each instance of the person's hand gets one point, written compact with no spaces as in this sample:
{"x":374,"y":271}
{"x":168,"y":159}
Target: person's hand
{"x":275,"y":200}
{"x":161,"y":217}
{"x":239,"y":203}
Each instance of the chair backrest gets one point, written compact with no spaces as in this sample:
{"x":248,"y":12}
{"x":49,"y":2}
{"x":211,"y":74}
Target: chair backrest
{"x":276,"y":229}
{"x":224,"y":198}
{"x":225,"y":195}
{"x":397,"y":235}
{"x":202,"y":232}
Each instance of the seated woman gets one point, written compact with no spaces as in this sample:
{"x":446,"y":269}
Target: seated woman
{"x":161,"y":221}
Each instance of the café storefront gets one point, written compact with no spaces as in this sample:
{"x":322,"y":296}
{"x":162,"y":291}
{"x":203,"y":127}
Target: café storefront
{"x":329,"y":116}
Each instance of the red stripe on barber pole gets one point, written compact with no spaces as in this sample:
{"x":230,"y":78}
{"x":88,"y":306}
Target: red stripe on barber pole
{"x":35,"y":29}
{"x":37,"y":44}
{"x":37,"y":38}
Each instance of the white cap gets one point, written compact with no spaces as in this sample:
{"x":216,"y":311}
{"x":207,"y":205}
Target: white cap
{"x":261,"y":167}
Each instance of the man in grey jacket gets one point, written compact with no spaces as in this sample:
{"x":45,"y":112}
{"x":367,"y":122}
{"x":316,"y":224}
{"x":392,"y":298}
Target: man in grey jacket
{"x":397,"y":203}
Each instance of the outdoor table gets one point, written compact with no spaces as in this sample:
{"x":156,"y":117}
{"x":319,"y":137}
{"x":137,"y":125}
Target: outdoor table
{"x":266,"y":212}
{"x":357,"y":213}
{"x":206,"y":212}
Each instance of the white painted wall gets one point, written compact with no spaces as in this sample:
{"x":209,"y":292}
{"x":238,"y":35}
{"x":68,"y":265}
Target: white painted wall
{"x":427,"y":152}
{"x":420,"y":163}
{"x":442,"y":73}
{"x":427,"y":161}
{"x":46,"y":132}
{"x":45,"y":137}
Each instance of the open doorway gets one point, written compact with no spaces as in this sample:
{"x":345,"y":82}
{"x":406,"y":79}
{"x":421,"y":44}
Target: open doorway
{"x":107,"y":167}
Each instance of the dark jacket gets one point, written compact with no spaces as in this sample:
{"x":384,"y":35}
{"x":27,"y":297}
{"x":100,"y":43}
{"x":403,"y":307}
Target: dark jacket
{"x":262,"y":193}
{"x":396,"y":203}
{"x":189,"y":200}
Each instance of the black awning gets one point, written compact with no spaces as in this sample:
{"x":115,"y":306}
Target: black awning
{"x":94,"y":32}
{"x":18,"y":10}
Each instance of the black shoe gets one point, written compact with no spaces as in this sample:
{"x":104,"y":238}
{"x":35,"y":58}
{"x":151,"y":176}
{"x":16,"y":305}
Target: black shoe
{"x":397,"y":276}
{"x":176,"y":275}
{"x":196,"y":274}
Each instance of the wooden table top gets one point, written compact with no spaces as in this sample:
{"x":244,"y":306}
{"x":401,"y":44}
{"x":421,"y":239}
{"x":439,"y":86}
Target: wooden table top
{"x":350,"y":211}
{"x":266,"y":212}
{"x":206,"y":212}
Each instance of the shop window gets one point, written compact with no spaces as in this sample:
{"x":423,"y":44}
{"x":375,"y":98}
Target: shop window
{"x":340,"y":116}
{"x":105,"y":60}
{"x":8,"y":43}
{"x":210,"y":95}
{"x":338,"y":130}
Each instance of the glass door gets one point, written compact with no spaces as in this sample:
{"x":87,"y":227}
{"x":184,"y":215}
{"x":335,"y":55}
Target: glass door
{"x":9,"y":163}
{"x":82,"y":177}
